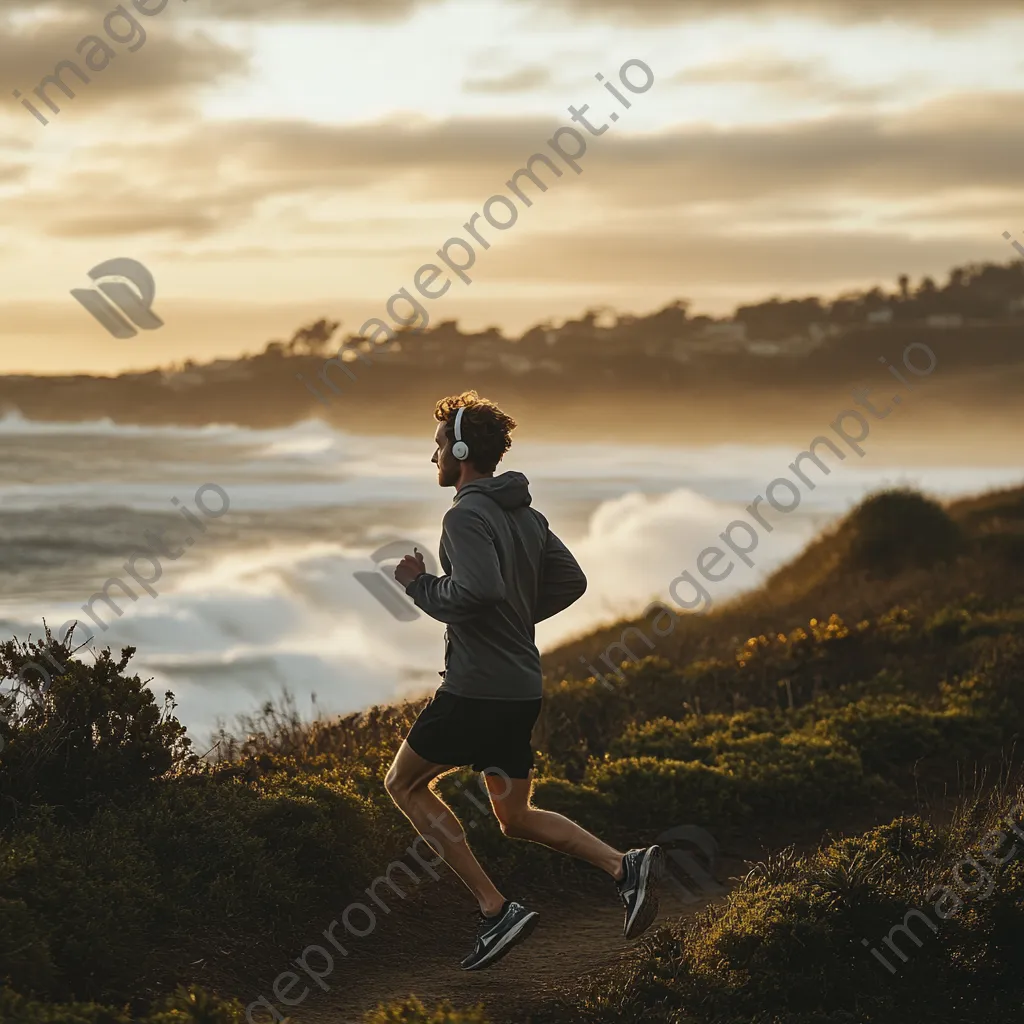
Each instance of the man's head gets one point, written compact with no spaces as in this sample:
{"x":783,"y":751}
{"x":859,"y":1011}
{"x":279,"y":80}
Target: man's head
{"x":485,"y":429}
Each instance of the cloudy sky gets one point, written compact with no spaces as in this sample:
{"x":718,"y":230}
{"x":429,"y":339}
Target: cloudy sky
{"x":273,"y":161}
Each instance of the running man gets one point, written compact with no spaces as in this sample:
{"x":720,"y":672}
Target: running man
{"x":505,"y":572}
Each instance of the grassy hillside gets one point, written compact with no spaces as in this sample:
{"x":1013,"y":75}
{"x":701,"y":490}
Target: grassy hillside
{"x":907,"y":922}
{"x":883,"y":666}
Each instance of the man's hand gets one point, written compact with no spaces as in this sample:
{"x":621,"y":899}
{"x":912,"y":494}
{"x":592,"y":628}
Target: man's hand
{"x":409,"y":568}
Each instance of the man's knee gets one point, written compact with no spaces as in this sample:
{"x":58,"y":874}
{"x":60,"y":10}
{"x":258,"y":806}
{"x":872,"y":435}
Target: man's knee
{"x":398,"y":787}
{"x":517,"y":825}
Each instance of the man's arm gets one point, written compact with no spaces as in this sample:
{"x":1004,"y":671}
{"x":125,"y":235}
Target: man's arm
{"x":475,"y":581}
{"x":562,"y":580}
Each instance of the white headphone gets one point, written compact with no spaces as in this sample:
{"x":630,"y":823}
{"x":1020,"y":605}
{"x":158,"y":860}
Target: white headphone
{"x":460,"y":449}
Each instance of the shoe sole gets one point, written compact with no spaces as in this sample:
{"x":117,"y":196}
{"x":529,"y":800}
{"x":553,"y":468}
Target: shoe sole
{"x":519,"y":933}
{"x":646,"y":910}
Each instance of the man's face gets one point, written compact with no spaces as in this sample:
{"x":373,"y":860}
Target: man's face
{"x":447,"y":464}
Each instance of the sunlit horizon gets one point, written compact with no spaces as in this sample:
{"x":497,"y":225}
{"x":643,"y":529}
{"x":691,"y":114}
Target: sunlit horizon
{"x":271,"y":172}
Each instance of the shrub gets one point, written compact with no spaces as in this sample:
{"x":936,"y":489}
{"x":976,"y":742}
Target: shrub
{"x":792,"y":943}
{"x":195,"y":1006}
{"x":693,"y":738}
{"x":412,"y":1011}
{"x":886,"y":731}
{"x":664,"y":738}
{"x":760,"y":772}
{"x":100,"y":905}
{"x":948,"y":625}
{"x":794,"y":774}
{"x":900,"y":529}
{"x":92,"y":731}
{"x":647,"y":793}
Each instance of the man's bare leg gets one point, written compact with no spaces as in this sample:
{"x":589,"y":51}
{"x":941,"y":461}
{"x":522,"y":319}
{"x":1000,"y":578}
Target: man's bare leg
{"x":510,"y":799}
{"x":408,"y":783}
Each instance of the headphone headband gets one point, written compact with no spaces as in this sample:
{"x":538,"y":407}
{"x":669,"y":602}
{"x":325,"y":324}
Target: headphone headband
{"x":460,"y":449}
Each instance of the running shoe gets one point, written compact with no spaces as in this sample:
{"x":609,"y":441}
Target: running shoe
{"x":499,"y":934}
{"x":638,"y":889}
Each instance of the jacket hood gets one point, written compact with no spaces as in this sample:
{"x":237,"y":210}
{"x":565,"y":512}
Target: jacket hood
{"x":510,"y":490}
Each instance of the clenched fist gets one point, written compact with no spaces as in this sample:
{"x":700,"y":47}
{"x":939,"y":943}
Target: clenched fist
{"x":409,"y":568}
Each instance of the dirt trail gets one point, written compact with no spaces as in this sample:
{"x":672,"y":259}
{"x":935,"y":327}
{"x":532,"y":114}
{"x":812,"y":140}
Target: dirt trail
{"x":417,"y":947}
{"x":575,"y":941}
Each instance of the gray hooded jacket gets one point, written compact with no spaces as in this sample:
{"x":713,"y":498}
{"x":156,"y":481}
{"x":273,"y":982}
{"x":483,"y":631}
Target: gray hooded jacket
{"x":505,"y":572}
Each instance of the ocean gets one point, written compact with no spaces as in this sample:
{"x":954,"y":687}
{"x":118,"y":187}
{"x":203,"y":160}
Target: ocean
{"x":266,"y":596}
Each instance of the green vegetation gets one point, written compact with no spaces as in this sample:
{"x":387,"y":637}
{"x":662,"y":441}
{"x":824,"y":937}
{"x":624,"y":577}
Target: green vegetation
{"x":792,"y":944}
{"x":882,"y":664}
{"x":412,"y":1011}
{"x":194,"y":1006}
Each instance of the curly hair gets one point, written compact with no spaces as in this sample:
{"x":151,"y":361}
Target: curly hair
{"x":485,"y":428}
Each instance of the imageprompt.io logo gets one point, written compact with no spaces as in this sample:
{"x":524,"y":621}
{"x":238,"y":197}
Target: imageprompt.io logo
{"x":692,"y":856}
{"x":115,"y":304}
{"x":382,"y":583}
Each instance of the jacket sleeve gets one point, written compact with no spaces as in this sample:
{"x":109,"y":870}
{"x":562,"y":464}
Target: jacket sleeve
{"x":475,"y":582}
{"x":562,"y":580}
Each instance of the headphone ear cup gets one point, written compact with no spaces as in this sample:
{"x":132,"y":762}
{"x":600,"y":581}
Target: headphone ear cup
{"x":460,"y":450}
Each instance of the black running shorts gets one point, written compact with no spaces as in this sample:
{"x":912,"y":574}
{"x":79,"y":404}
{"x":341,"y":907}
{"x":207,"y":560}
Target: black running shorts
{"x":476,"y":731}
